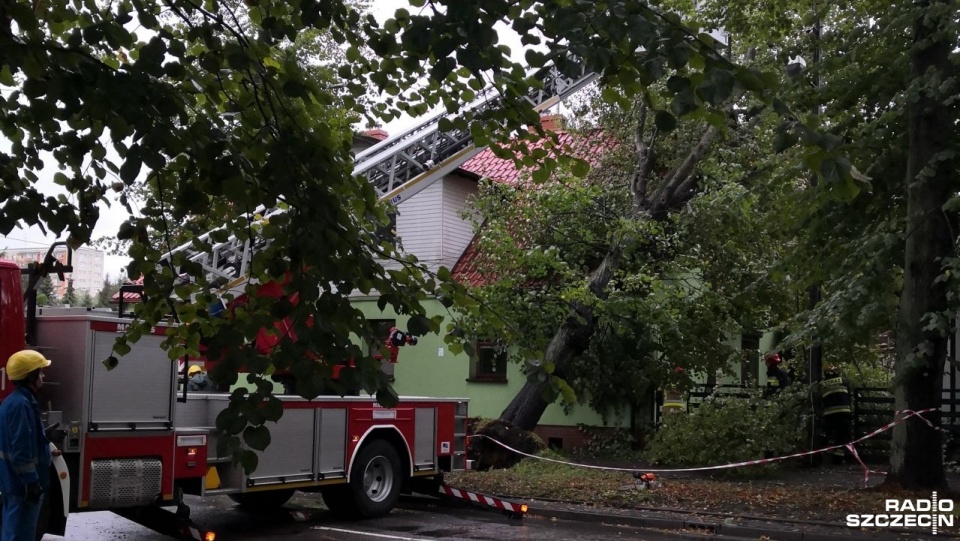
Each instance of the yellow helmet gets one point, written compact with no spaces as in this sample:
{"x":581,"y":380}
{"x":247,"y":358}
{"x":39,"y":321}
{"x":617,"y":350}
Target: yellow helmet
{"x":194,"y":369}
{"x":23,"y":362}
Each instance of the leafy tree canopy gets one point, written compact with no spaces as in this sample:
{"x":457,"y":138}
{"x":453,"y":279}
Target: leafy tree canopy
{"x":212,"y":107}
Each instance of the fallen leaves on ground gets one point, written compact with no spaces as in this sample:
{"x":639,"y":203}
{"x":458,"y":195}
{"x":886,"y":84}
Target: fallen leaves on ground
{"x":797,"y":495}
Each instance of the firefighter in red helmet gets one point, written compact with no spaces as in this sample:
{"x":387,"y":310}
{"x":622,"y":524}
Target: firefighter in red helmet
{"x":777,"y":377}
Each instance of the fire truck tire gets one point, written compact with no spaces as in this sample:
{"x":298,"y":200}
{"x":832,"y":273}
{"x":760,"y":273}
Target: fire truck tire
{"x":374,"y":486}
{"x":266,"y":501}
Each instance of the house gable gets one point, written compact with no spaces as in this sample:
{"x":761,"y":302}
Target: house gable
{"x":429,"y":223}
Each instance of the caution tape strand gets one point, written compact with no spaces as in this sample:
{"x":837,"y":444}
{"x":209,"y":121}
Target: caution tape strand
{"x":899,"y":417}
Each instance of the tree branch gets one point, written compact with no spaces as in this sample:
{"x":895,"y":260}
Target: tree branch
{"x":682,"y":178}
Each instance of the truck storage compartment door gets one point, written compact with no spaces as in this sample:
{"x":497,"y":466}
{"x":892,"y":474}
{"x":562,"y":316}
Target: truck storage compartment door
{"x":331,"y":442}
{"x":289,"y":457}
{"x":425,"y":438}
{"x":138,"y":393}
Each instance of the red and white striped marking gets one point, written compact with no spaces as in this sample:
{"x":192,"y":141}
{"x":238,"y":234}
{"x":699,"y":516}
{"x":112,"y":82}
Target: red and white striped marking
{"x":503,"y":505}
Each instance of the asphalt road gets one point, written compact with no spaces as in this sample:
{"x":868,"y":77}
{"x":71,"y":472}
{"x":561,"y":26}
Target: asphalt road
{"x":412,"y":521}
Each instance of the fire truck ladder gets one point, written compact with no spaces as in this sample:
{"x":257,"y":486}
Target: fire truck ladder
{"x":398,"y":167}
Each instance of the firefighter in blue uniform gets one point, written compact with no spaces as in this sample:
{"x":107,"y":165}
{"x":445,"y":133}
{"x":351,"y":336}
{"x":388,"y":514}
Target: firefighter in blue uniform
{"x":24,"y":448}
{"x":836,"y":411}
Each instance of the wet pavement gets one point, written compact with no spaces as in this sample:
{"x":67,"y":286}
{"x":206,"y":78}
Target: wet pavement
{"x":426,"y":518}
{"x":415,"y":519}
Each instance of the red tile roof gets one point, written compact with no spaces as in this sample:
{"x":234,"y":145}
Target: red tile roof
{"x":488,"y":165}
{"x":376,"y":133}
{"x":127,"y":295}
{"x":468,"y":269}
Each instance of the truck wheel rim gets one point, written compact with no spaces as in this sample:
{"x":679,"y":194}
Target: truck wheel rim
{"x":378,"y":479}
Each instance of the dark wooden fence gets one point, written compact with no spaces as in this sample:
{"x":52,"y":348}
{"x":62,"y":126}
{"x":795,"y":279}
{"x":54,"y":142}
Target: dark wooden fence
{"x":872,"y":409}
{"x":696,"y":395}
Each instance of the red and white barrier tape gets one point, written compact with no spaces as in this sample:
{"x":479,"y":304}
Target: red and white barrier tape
{"x":490,"y":501}
{"x":899,"y":417}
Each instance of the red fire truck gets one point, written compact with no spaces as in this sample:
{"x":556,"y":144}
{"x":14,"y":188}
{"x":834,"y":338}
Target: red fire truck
{"x":130,"y":442}
{"x":127,"y":440}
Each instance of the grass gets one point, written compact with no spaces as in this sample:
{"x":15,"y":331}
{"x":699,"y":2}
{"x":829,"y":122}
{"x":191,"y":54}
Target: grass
{"x":549,"y":481}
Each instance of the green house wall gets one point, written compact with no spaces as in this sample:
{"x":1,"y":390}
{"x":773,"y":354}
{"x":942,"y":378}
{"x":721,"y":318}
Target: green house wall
{"x":430,"y":369}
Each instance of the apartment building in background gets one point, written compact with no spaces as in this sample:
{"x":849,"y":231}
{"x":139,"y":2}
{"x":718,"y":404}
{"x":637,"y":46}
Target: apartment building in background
{"x":87,"y":272}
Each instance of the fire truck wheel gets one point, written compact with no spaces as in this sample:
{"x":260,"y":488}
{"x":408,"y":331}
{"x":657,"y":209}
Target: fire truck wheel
{"x":261,"y":502}
{"x":375,"y":479}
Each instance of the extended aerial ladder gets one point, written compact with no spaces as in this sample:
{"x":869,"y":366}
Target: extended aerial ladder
{"x":398,"y":167}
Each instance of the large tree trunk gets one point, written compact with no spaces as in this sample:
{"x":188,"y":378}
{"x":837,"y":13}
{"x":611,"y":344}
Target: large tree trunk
{"x":916,"y":459}
{"x":570,"y":340}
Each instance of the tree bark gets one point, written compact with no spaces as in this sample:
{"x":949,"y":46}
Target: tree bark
{"x":571,"y":339}
{"x":916,"y":459}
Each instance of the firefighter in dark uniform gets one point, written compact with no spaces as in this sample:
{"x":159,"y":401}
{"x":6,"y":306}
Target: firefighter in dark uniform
{"x":24,"y":449}
{"x":836,"y":411}
{"x":777,"y":377}
{"x":197,"y":380}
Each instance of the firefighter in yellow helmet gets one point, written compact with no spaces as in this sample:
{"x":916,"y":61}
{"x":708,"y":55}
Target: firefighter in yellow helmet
{"x":836,"y":410}
{"x":673,"y":398}
{"x":197,"y":380}
{"x":24,"y":449}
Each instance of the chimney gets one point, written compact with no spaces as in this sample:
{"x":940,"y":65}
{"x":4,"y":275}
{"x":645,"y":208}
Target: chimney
{"x":376,"y":133}
{"x":551,"y":123}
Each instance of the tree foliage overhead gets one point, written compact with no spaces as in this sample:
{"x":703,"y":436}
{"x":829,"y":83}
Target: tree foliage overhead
{"x":686,"y":284}
{"x":205,"y":104}
{"x":872,"y":88}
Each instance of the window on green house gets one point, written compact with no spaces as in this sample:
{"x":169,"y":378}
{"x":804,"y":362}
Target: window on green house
{"x":380,"y":329}
{"x":489,"y":363}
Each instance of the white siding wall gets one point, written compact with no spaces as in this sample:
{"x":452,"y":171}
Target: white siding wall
{"x":429,"y":223}
{"x":420,"y":224}
{"x":457,"y":232}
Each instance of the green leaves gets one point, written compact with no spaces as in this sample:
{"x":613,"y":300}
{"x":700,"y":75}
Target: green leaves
{"x":665,"y":121}
{"x":150,"y":56}
{"x":784,"y":140}
{"x":257,"y":437}
{"x":212,"y":117}
{"x":835,"y":169}
{"x":131,"y":165}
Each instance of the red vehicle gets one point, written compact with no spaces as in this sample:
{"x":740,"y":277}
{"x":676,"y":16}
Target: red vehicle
{"x":129,"y":441}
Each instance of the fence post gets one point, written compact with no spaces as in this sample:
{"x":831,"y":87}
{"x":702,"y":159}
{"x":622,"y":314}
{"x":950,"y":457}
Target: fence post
{"x":855,"y":403}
